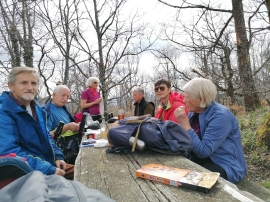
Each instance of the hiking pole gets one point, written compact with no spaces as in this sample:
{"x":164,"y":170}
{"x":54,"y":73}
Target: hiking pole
{"x":58,"y":130}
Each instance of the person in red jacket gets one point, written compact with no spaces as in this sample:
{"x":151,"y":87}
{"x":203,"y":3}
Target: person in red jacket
{"x":169,"y":100}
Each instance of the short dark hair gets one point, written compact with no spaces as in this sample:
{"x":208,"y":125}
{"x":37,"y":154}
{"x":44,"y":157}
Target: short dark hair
{"x":163,"y":81}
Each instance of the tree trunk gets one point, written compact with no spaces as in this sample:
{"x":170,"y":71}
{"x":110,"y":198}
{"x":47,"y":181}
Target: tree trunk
{"x":102,"y":67}
{"x":251,"y":99}
{"x":267,"y":4}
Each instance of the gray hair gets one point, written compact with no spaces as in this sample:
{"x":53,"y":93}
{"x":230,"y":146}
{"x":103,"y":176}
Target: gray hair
{"x":59,"y":87}
{"x":139,"y":90}
{"x":203,"y":89}
{"x":18,"y":70}
{"x":90,"y":80}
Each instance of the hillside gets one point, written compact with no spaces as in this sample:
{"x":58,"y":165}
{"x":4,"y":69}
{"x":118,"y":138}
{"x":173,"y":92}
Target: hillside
{"x":258,"y":157}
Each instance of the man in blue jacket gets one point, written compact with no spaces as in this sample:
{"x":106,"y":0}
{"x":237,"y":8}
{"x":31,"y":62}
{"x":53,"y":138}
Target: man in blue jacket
{"x":57,"y":111}
{"x":23,"y":128}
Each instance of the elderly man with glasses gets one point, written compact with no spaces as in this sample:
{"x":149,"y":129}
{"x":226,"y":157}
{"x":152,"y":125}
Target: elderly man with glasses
{"x":169,"y":100}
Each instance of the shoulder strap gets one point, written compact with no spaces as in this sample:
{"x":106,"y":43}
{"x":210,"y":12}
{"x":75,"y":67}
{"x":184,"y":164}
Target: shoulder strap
{"x":139,"y":120}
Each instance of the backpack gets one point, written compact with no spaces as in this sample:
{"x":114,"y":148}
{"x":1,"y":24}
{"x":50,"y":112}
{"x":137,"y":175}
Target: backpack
{"x":161,"y":136}
{"x":36,"y":187}
{"x":12,"y":167}
{"x":70,"y":145}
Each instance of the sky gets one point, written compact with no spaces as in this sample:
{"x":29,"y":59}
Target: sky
{"x":155,"y":13}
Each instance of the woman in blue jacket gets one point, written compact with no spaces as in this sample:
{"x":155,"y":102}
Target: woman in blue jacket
{"x":214,"y":130}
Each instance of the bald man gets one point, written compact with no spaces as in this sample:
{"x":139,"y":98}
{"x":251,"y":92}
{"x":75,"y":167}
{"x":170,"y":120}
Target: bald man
{"x":57,"y":111}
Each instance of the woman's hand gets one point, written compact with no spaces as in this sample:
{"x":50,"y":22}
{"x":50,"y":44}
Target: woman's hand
{"x":182,"y":118}
{"x":97,"y":101}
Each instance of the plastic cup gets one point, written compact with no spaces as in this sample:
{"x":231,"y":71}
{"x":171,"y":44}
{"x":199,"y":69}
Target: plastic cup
{"x":121,"y":114}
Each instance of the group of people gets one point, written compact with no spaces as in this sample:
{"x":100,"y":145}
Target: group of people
{"x":28,"y":131}
{"x":213,"y":128}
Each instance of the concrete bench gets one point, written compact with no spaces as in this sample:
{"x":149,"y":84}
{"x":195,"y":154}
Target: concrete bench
{"x":114,"y":175}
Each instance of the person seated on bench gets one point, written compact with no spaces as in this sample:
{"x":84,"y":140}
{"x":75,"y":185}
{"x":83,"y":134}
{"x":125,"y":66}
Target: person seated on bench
{"x":142,"y":106}
{"x":214,"y":131}
{"x":57,"y":111}
{"x":23,"y":128}
{"x":169,"y":100}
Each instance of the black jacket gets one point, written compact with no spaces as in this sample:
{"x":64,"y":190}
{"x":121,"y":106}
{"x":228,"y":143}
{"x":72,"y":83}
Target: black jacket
{"x":143,"y":105}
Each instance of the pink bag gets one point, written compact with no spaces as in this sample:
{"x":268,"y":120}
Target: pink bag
{"x":78,"y":117}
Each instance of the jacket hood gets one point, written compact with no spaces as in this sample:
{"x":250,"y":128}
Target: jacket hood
{"x":174,"y":96}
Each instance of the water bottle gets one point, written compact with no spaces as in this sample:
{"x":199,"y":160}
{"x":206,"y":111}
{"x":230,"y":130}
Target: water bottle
{"x":89,"y":120}
{"x":103,"y":133}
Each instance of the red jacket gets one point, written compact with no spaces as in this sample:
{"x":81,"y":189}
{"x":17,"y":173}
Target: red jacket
{"x":175,"y":100}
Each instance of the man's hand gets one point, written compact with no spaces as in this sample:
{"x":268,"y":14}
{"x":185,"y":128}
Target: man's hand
{"x":73,"y":126}
{"x":60,"y":164}
{"x":59,"y":172}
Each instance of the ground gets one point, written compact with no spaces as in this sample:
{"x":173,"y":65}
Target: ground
{"x":257,"y":156}
{"x":258,"y":165}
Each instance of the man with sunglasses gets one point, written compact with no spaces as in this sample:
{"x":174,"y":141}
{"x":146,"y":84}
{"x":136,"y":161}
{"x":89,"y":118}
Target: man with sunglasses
{"x":169,"y":100}
{"x":142,"y":106}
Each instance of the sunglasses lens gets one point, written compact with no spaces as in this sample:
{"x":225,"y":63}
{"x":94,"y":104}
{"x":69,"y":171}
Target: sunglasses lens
{"x":95,"y":82}
{"x":162,"y":88}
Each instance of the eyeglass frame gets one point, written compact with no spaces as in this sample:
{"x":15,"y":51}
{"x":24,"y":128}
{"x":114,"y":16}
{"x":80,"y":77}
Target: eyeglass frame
{"x":161,"y":88}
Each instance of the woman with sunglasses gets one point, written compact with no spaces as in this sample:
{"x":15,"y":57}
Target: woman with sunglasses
{"x":169,"y":100}
{"x":90,"y":99}
{"x":214,"y":131}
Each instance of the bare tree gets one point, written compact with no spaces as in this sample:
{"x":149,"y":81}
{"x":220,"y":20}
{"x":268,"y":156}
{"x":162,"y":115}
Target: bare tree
{"x":251,"y":98}
{"x":17,"y":20}
{"x":115,"y":42}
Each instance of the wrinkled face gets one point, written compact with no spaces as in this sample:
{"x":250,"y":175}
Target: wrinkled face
{"x":193,"y":104}
{"x":94,"y":84}
{"x":162,"y":91}
{"x":25,"y":87}
{"x":137,"y":96}
{"x":61,"y":97}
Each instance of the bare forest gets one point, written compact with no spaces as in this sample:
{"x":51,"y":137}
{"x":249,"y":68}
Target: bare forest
{"x":68,"y":41}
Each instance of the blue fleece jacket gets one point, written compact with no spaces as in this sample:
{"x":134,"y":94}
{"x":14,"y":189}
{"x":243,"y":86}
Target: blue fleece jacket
{"x":221,"y":140}
{"x":21,"y":134}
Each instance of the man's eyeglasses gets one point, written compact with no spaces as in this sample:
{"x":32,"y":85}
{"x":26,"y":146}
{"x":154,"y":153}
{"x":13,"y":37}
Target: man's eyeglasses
{"x":162,"y":88}
{"x":95,"y":82}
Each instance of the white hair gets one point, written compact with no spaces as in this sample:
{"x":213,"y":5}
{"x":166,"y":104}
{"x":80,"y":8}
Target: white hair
{"x":59,"y":87}
{"x":203,"y":89}
{"x":139,"y":90}
{"x":90,"y":80}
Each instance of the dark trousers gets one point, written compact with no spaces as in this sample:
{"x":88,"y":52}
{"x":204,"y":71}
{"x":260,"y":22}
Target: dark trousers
{"x":208,"y":164}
